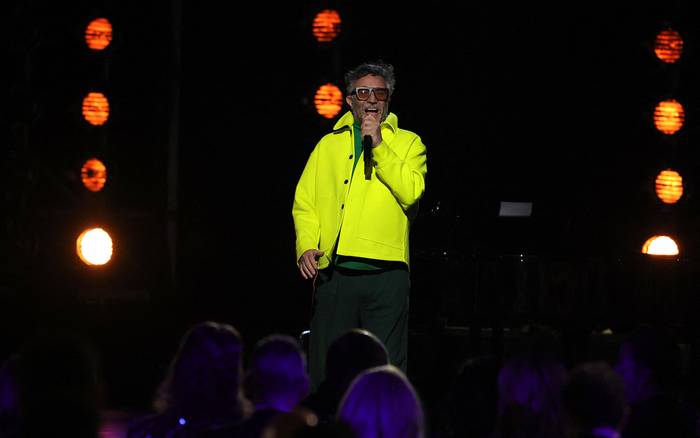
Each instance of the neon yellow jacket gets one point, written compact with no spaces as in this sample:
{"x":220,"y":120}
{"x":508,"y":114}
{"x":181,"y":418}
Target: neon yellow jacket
{"x":372,"y":216}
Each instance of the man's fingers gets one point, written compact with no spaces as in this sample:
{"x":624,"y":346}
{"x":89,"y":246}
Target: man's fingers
{"x":308,"y":264}
{"x":306,"y":271}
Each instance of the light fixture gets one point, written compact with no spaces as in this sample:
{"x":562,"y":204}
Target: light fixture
{"x":326,"y":26}
{"x":96,"y":108}
{"x":669,"y":186}
{"x":661,"y":246}
{"x":98,"y":34}
{"x":668,"y":46}
{"x":669,"y":116}
{"x":94,"y":247}
{"x":93,"y":174}
{"x":328,"y":100}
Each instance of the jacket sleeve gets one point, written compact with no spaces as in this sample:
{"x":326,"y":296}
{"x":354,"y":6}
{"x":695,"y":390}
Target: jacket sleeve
{"x":405,"y":177}
{"x":306,"y":223}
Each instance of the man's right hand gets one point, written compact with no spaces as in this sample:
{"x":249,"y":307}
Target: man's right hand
{"x":308,"y":263}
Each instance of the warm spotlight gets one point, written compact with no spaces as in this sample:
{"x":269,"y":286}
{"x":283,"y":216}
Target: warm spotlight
{"x":669,"y":186}
{"x":669,"y":116}
{"x":668,"y":46}
{"x":98,"y":34}
{"x":660,"y":245}
{"x":326,"y":25}
{"x":94,"y":247}
{"x":93,"y":174}
{"x":328,"y":100}
{"x":96,"y":108}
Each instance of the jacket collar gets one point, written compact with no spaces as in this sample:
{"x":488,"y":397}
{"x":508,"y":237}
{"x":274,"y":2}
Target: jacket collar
{"x":347,"y":120}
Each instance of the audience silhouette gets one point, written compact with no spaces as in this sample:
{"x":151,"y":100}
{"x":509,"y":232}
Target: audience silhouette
{"x":594,"y":401}
{"x":59,"y":387}
{"x":51,"y":387}
{"x":382,"y":403}
{"x":276,"y":381}
{"x":352,"y":353}
{"x":649,"y":362}
{"x":276,"y":377}
{"x":470,"y":405}
{"x":203,"y":386}
{"x":529,"y":388}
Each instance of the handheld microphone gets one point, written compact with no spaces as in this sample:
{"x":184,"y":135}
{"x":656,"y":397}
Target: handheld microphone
{"x":367,"y":152}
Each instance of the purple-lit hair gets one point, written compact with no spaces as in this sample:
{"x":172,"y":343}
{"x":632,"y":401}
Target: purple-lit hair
{"x":649,"y":362}
{"x":382,"y":403}
{"x":277,"y":374}
{"x":204,"y":378}
{"x":529,"y":389}
{"x":531,"y":383}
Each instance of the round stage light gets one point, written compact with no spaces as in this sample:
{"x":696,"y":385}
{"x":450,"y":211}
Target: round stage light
{"x":660,"y":245}
{"x":96,"y":108}
{"x":93,"y":174}
{"x":98,"y":34}
{"x":669,"y":116}
{"x":326,"y":25}
{"x":668,"y":46}
{"x":669,"y":186}
{"x":328,"y":100}
{"x":94,"y":247}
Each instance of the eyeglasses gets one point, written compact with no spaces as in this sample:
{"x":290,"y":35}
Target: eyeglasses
{"x":363,"y":93}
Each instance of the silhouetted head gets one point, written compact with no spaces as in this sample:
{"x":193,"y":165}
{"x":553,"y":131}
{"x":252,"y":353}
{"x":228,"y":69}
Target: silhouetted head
{"x":471,"y":403}
{"x":59,"y":388}
{"x":649,"y":362}
{"x":594,"y":397}
{"x":534,"y":384}
{"x":205,"y":376}
{"x":382,"y":403}
{"x":529,"y":387}
{"x":353,"y":352}
{"x":277,"y":376}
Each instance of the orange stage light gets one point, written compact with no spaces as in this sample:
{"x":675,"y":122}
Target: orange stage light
{"x":326,"y":25}
{"x":328,"y":100}
{"x":96,"y":108}
{"x":98,"y":34}
{"x":660,"y":245}
{"x":669,"y":186}
{"x":668,"y":46}
{"x":669,"y":116}
{"x":93,"y":174}
{"x":94,"y":247}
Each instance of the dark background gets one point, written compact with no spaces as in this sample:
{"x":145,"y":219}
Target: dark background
{"x":212,"y":106}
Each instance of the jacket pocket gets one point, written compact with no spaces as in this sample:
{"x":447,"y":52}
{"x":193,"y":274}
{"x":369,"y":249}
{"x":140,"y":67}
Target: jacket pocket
{"x":382,"y":219}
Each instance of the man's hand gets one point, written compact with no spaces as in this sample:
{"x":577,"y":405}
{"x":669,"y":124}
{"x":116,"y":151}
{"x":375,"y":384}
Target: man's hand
{"x":371,"y":126}
{"x":308,"y":263}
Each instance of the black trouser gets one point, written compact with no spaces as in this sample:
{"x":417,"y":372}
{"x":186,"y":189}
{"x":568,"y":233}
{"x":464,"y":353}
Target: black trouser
{"x":376,"y":301}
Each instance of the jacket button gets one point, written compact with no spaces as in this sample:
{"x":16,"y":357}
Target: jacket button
{"x":351,"y":157}
{"x":342,"y":206}
{"x":346,"y":181}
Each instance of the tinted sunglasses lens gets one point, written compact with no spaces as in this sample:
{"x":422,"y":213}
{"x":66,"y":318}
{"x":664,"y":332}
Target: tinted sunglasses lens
{"x":362,"y":93}
{"x":381,"y":93}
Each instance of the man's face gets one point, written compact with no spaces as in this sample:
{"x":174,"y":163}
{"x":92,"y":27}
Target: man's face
{"x":372,"y":105}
